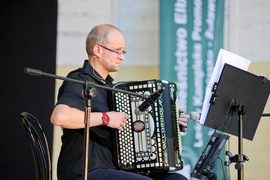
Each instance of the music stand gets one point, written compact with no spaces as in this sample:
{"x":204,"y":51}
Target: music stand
{"x":237,"y":103}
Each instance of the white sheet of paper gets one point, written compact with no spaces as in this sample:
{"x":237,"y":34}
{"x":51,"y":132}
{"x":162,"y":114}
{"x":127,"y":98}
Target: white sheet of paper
{"x":223,"y":57}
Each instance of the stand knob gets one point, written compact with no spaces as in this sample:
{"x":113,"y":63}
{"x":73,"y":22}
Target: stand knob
{"x":228,"y":153}
{"x":246,"y":158}
{"x":238,"y":166}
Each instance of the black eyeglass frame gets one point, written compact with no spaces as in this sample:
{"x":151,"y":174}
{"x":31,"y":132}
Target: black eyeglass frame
{"x":119,"y":53}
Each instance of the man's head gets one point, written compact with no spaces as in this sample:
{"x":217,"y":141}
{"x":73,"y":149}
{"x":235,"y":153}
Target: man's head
{"x":99,"y":35}
{"x":105,"y":44}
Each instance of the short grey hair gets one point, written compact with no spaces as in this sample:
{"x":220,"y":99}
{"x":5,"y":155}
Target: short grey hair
{"x":98,"y":35}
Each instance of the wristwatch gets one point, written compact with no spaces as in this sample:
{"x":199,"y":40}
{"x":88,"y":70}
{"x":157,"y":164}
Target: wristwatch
{"x":105,"y":119}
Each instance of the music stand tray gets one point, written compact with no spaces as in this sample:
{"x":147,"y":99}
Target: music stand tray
{"x":237,"y":87}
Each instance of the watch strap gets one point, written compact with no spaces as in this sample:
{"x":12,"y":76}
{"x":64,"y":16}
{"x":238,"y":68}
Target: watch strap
{"x":105,"y":119}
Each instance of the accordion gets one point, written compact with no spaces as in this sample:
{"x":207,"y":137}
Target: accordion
{"x":149,"y":142}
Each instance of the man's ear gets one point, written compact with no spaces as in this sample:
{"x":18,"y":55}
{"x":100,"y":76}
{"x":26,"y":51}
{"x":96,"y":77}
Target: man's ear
{"x":97,"y":50}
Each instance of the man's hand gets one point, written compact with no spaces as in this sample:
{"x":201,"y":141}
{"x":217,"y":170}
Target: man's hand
{"x":183,"y":120}
{"x":117,"y":119}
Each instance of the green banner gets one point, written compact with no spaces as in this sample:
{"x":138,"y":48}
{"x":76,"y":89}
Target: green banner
{"x":191,"y":36}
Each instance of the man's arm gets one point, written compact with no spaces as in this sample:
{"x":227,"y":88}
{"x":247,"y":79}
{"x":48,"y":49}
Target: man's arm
{"x":72,"y":118}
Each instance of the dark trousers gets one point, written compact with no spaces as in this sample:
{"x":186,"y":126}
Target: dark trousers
{"x":110,"y":174}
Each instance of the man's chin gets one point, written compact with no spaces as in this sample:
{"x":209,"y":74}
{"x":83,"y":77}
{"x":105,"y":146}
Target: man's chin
{"x":115,"y":69}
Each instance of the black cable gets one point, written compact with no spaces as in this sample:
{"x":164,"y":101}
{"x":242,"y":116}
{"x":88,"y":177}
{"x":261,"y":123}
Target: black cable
{"x":222,"y":125}
{"x":229,"y":173}
{"x":228,"y":149}
{"x":222,"y":168}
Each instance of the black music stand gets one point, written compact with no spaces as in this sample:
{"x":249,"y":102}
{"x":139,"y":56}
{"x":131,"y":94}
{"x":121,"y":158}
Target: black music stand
{"x":237,"y":104}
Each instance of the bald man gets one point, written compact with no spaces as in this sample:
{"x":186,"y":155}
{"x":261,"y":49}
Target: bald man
{"x":105,"y":46}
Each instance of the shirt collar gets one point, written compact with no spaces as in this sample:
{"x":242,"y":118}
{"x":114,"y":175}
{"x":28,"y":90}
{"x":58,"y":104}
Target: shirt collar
{"x":94,"y":74}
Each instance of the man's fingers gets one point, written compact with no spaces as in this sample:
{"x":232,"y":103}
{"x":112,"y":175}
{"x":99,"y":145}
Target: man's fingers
{"x":181,"y":111}
{"x":127,"y":116}
{"x":185,"y":116}
{"x":182,"y":122}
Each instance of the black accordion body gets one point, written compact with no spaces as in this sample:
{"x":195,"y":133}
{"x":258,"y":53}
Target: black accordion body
{"x":149,"y":142}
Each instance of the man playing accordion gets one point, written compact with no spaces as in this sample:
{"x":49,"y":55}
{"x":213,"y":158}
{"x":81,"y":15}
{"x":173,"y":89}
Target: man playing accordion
{"x":105,"y":48}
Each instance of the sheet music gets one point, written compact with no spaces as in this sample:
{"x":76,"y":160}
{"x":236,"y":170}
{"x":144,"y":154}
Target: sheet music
{"x":223,"y":57}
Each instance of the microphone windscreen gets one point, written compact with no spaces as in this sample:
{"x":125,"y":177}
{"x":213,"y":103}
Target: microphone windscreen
{"x":137,"y":111}
{"x":194,"y":116}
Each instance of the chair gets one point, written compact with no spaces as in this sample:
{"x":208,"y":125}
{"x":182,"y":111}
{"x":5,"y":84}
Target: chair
{"x":39,"y":146}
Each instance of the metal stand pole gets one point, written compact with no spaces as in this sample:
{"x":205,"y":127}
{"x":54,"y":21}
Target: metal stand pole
{"x":239,"y":158}
{"x":89,"y":93}
{"x":241,"y":110}
{"x":240,"y":150}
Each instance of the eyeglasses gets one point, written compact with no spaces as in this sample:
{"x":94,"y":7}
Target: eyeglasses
{"x":119,"y":53}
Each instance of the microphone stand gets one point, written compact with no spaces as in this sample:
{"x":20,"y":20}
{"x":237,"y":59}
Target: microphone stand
{"x":88,"y":92}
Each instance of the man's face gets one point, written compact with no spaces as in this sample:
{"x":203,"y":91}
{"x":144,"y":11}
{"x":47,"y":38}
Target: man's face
{"x":112,"y":60}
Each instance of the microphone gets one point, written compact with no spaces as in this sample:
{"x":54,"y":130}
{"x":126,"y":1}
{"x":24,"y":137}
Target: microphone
{"x":149,"y":101}
{"x":195,"y":116}
{"x":109,"y":62}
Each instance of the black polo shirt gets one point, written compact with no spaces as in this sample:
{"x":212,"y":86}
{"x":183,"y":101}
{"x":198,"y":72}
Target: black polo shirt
{"x":70,"y":162}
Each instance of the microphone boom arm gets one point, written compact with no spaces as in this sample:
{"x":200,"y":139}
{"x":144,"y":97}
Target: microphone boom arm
{"x":36,"y":72}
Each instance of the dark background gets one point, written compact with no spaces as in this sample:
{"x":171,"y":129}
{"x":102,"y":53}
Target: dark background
{"x":28,"y":40}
